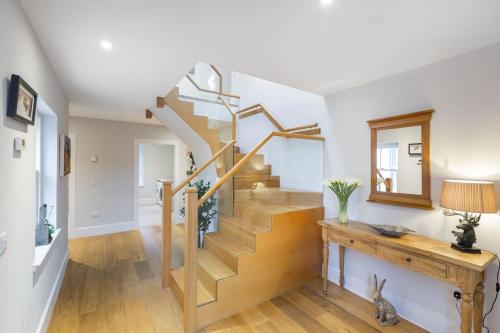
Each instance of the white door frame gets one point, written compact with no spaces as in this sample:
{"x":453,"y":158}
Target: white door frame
{"x":72,"y":189}
{"x":177,"y":159}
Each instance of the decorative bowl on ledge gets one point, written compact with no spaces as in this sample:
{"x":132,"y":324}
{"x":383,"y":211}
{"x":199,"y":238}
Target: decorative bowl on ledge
{"x":391,"y":230}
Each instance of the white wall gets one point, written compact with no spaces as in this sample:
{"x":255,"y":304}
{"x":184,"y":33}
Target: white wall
{"x":290,"y":159}
{"x":465,"y":138}
{"x":25,"y":307}
{"x":109,"y":186}
{"x":158,"y":164}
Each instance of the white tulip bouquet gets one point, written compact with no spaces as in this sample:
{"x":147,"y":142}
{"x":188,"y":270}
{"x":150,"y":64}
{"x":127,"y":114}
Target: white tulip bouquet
{"x":343,"y":187}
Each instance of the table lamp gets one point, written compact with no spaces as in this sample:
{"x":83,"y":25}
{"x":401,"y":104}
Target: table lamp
{"x":463,"y":198}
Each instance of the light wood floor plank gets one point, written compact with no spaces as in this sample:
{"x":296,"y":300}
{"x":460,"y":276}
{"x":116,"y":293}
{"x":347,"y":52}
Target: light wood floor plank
{"x":112,"y":284}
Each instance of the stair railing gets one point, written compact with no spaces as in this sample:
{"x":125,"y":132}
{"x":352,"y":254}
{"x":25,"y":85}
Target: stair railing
{"x":220,"y":96}
{"x":191,"y":227}
{"x":259,"y":108}
{"x":168,"y":194}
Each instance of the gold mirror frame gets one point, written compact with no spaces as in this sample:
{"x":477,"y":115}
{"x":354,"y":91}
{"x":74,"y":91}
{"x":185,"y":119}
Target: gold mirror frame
{"x":422,"y":201}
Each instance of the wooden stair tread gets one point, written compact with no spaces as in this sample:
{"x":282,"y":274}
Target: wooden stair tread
{"x":213,"y":266}
{"x":255,"y":176}
{"x":237,"y":222}
{"x":203,"y":295}
{"x":231,"y":246}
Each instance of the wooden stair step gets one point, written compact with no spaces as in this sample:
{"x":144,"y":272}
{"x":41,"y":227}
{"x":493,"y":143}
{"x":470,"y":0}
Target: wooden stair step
{"x":257,"y":160}
{"x":239,"y":222}
{"x":203,"y":295}
{"x":279,"y":196}
{"x":213,"y":266}
{"x":226,"y":249}
{"x":248,"y":181}
{"x":265,"y":170}
{"x":237,"y":229}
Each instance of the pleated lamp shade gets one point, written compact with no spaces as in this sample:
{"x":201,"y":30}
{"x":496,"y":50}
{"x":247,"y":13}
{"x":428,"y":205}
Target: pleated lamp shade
{"x":469,"y":196}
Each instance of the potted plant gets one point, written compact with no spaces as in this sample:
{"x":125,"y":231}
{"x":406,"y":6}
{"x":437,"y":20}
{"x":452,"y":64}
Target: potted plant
{"x":343,"y":187}
{"x":206,"y":212}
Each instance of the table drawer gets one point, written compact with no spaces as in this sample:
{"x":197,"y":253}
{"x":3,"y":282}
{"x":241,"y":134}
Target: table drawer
{"x":353,"y":243}
{"x":413,"y":262}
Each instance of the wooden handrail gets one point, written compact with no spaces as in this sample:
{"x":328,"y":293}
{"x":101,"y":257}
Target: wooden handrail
{"x":228,"y":107}
{"x":252,"y":110}
{"x":301,"y":127}
{"x":197,"y":172}
{"x":248,"y":156}
{"x":208,"y":90}
{"x":249,"y":108}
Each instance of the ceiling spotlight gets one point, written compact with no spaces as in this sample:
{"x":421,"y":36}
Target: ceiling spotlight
{"x":326,"y":2}
{"x":106,"y":45}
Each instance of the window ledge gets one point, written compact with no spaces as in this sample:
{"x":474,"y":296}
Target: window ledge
{"x":42,"y":252}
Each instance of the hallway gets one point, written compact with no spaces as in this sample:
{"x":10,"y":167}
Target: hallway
{"x":112,"y":284}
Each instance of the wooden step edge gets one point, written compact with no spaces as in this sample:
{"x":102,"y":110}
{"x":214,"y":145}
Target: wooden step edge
{"x":246,"y":226}
{"x":244,"y":177}
{"x":238,"y":232}
{"x":222,"y":252}
{"x":212,"y":266}
{"x":204,"y":296}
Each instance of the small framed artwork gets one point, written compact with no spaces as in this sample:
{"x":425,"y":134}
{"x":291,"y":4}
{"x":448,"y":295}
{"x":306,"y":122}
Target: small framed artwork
{"x":65,"y":155}
{"x":415,"y":149}
{"x":22,"y":101}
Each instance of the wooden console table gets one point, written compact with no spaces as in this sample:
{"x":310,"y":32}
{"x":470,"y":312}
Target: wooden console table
{"x":420,"y":254}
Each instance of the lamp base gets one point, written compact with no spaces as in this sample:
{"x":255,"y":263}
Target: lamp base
{"x":460,"y":248}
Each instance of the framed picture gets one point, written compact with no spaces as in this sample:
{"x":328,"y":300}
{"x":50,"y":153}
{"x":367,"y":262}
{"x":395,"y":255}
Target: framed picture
{"x":415,"y":149}
{"x":22,"y":101}
{"x":65,"y":155}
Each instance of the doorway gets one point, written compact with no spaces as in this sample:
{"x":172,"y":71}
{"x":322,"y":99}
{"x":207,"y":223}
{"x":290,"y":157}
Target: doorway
{"x":156,"y":161}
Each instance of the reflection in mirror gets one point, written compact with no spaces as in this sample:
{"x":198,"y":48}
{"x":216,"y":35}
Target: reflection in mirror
{"x":399,"y":160}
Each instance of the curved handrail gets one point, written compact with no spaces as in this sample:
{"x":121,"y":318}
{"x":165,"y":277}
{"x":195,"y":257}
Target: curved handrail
{"x":259,"y":108}
{"x":197,"y":172}
{"x":248,"y":156}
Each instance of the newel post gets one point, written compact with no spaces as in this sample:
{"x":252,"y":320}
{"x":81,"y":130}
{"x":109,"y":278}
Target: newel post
{"x":167,"y":233}
{"x":190,"y":267}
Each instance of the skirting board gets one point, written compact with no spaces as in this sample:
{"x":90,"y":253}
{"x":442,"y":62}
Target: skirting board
{"x":103,"y":229}
{"x":43,"y":325}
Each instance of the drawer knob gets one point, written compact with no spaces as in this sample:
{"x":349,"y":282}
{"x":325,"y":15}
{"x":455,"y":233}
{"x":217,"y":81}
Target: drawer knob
{"x":408,"y":259}
{"x":351,"y":241}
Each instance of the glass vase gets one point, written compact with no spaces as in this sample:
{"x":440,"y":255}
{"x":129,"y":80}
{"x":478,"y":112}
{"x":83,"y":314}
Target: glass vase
{"x":343,"y":215}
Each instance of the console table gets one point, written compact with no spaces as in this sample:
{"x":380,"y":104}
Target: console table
{"x":420,"y":254}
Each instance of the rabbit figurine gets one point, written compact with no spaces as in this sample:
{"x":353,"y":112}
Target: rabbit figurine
{"x":385,"y":312}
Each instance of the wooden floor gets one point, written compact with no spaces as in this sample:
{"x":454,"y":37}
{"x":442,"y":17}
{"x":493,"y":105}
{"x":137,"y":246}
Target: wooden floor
{"x":112,"y":284}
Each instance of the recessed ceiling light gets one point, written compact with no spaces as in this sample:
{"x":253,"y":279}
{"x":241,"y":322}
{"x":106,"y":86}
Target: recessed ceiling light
{"x":106,"y":45}
{"x":327,"y":2}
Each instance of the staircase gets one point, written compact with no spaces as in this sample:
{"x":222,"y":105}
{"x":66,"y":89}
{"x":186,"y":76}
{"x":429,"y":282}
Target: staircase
{"x":268,"y":241}
{"x":200,"y":124}
{"x":271,"y":245}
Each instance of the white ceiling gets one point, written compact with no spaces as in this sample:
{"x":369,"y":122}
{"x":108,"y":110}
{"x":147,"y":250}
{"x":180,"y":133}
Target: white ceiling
{"x":300,"y":43}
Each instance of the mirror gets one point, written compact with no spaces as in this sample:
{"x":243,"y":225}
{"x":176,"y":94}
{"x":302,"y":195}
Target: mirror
{"x":400,"y":165}
{"x":399,"y":160}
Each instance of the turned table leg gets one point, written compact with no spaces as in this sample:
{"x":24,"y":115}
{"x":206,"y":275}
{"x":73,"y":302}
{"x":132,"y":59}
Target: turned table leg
{"x":478,"y":307}
{"x":341,"y":262}
{"x":466,"y":313}
{"x":326,"y":254}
